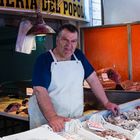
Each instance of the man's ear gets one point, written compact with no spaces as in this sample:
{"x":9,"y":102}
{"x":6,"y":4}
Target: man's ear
{"x":78,"y":46}
{"x":57,"y":38}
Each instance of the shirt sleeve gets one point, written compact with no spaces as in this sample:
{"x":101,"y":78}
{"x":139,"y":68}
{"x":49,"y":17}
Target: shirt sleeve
{"x":41,"y":72}
{"x":88,"y":68}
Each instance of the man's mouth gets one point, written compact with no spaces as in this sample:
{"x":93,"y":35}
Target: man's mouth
{"x":67,"y":50}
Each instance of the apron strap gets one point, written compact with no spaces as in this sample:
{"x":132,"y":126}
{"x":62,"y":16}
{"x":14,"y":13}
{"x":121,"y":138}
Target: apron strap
{"x":53,"y":56}
{"x":75,"y":58}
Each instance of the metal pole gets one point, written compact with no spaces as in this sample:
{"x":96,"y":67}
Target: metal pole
{"x":129,"y":53}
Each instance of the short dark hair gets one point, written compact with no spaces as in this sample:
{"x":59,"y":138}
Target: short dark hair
{"x":70,"y":27}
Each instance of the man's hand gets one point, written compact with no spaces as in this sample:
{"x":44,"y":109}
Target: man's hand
{"x":58,"y":122}
{"x":112,"y":107}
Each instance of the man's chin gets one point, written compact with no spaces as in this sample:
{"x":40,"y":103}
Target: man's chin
{"x":68,"y":54}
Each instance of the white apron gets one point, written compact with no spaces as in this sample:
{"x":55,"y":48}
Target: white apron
{"x":65,"y":91}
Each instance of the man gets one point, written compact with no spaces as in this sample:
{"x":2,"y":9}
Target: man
{"x":58,"y":83}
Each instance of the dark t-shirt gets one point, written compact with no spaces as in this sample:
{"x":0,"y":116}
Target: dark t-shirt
{"x":42,"y":73}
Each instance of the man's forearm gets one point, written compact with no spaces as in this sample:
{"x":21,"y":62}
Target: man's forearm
{"x":44,"y":102}
{"x":97,"y":88}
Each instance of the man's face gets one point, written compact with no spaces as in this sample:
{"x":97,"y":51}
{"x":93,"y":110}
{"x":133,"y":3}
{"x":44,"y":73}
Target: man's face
{"x":67,"y":43}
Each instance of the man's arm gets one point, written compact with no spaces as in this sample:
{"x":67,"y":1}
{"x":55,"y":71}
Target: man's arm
{"x":98,"y":90}
{"x":46,"y":106}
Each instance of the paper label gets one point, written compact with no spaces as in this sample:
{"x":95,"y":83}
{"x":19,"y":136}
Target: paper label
{"x":95,"y":126}
{"x":105,"y":77}
{"x":29,"y":91}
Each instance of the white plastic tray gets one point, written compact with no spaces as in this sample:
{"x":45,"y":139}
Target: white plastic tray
{"x":135,"y":135}
{"x":40,"y":133}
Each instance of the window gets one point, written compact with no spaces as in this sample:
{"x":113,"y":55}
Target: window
{"x":96,"y":13}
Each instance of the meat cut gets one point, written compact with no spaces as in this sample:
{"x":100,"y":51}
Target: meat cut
{"x":12,"y":107}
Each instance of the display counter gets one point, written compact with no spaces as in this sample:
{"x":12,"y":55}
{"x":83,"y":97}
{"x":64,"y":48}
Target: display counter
{"x":11,"y":122}
{"x":77,"y":129}
{"x":20,"y":122}
{"x":4,"y":102}
{"x":115,"y":96}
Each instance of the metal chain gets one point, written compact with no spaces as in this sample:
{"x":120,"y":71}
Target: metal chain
{"x":39,"y":7}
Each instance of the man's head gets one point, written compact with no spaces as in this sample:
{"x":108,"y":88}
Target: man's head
{"x":67,"y":39}
{"x":70,"y":27}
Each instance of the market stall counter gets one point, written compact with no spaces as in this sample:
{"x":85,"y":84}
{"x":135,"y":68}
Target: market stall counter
{"x":12,"y":121}
{"x":13,"y":107}
{"x":89,"y":127}
{"x":115,"y":96}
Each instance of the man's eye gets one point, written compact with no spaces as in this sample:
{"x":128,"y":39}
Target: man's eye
{"x":74,"y":41}
{"x":64,"y":40}
{"x":68,"y":41}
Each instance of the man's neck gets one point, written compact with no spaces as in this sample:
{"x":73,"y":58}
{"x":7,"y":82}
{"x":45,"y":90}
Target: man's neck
{"x":60,"y":57}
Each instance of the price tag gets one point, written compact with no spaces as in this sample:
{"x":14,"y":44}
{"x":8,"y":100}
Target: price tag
{"x":95,"y":126}
{"x":105,"y":77}
{"x":29,"y":91}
